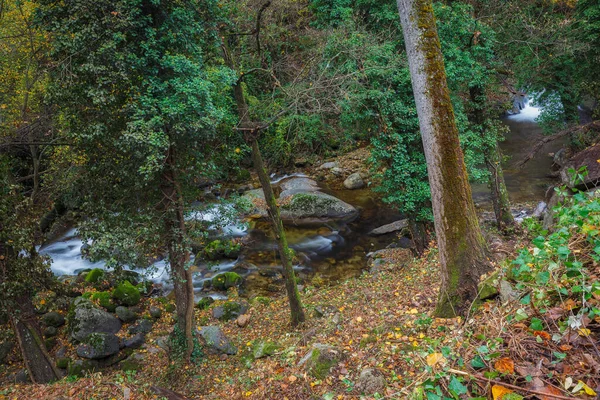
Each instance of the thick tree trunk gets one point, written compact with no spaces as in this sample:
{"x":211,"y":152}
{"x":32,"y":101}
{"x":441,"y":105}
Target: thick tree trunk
{"x":285,"y":254}
{"x":462,"y":250}
{"x":38,"y":362}
{"x":178,"y":254}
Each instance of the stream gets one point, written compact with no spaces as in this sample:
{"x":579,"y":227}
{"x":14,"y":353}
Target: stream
{"x":331,"y":252}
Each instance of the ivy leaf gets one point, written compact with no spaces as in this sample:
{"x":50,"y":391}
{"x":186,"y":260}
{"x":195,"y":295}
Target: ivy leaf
{"x":456,"y":387}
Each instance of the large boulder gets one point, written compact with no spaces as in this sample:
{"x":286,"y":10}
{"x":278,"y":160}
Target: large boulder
{"x":99,"y":345}
{"x":87,"y":320}
{"x":216,"y":339}
{"x":305,"y":184}
{"x":53,"y":319}
{"x":354,"y":181}
{"x":587,"y":158}
{"x":314,"y":208}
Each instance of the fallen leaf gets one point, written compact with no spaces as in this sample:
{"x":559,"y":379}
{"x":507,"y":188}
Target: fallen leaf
{"x":499,"y":391}
{"x":292,"y":378}
{"x":434,"y":358}
{"x":581,"y":385}
{"x":543,"y":334}
{"x":584,"y":332}
{"x":505,"y":365}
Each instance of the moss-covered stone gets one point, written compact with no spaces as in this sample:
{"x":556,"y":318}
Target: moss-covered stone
{"x":320,"y":359}
{"x":126,"y":294}
{"x":262,"y":348}
{"x":94,"y":275}
{"x":226,"y":280}
{"x":63,"y":363}
{"x":204,"y":303}
{"x":104,"y":299}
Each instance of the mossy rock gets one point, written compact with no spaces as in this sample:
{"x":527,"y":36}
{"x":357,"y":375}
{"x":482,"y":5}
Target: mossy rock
{"x":263,"y":348}
{"x":94,"y":276}
{"x":105,"y":300}
{"x":63,"y":363}
{"x":126,"y":294}
{"x":226,"y":280}
{"x":221,"y":248}
{"x":229,"y":310}
{"x":170,"y":307}
{"x":80,"y":367}
{"x":320,"y":359}
{"x":204,"y":303}
{"x":488,"y":288}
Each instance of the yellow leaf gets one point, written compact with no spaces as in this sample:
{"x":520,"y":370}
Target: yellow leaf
{"x":359,"y":319}
{"x":413,"y":311}
{"x":588,"y":390}
{"x":499,"y":391}
{"x":584,"y":332}
{"x":434,"y":358}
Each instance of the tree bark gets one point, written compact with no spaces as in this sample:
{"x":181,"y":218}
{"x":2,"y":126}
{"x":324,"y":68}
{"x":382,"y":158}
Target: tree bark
{"x":252,"y":131}
{"x":419,"y":236}
{"x":178,"y":253}
{"x":493,"y":161}
{"x":500,"y":200}
{"x":462,"y":250}
{"x":285,"y":254}
{"x":38,"y":362}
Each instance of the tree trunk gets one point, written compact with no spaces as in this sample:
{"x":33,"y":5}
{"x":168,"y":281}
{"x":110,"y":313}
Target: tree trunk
{"x":178,"y":254}
{"x":419,"y":236}
{"x":246,"y":125}
{"x":38,"y":362}
{"x":500,"y":201}
{"x":462,"y":250}
{"x":493,"y":161}
{"x":285,"y":254}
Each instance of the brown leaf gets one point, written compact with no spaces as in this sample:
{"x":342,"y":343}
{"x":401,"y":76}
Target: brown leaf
{"x":539,"y":386}
{"x":528,"y":369}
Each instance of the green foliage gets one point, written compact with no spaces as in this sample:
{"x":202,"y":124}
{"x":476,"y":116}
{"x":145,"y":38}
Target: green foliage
{"x":126,"y":294}
{"x":178,"y":346}
{"x":557,"y":266}
{"x":222,"y":248}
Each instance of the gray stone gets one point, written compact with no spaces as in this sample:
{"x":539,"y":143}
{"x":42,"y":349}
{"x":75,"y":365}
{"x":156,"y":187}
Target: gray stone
{"x":99,"y":345}
{"x":134,"y":362}
{"x":155,"y":312}
{"x":314,"y":208}
{"x":337,"y":171}
{"x":371,"y":381}
{"x":507,"y":292}
{"x":329,"y":165}
{"x":538,"y":213}
{"x":305,"y":184}
{"x":88,"y":320}
{"x":80,"y":367}
{"x":320,"y":359}
{"x":22,"y":376}
{"x":400,"y":225}
{"x":125,"y":314}
{"x":354,"y":181}
{"x":50,"y":331}
{"x":216,"y":339}
{"x":134,"y":342}
{"x":53,"y":319}
{"x":142,"y":326}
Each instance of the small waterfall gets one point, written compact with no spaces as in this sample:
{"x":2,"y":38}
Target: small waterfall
{"x":529,"y":113}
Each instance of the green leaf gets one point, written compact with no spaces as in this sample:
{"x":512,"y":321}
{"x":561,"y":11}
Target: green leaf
{"x":456,"y":387}
{"x":478,"y":363}
{"x":536,"y":324}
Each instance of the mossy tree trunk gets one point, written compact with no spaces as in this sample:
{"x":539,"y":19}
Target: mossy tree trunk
{"x":462,"y":249}
{"x":178,"y":253}
{"x":285,"y":254}
{"x":251,"y":132}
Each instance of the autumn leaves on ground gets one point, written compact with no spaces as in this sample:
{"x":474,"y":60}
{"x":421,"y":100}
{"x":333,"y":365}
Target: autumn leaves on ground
{"x":376,"y":339}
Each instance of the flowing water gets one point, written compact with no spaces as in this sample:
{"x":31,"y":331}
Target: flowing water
{"x":335,"y":251}
{"x":529,"y":183}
